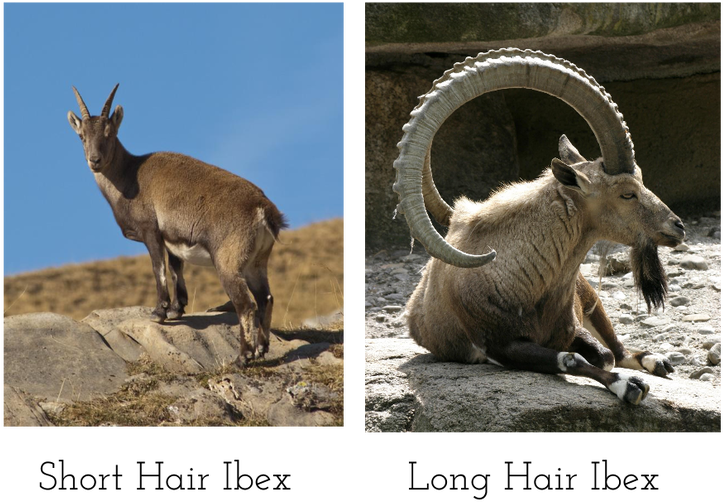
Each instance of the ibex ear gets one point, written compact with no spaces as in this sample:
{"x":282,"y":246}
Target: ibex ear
{"x":570,"y":177}
{"x":117,"y":116}
{"x":569,"y":153}
{"x":74,"y":122}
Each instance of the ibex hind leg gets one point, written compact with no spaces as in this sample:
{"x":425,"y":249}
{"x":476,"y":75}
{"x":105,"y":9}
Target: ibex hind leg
{"x":247,"y":311}
{"x":264,"y":303}
{"x":230,"y":265}
{"x":258,"y":282}
{"x":527,"y":355}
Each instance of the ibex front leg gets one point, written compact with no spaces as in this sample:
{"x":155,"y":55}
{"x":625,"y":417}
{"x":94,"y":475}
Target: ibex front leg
{"x":156,"y":248}
{"x":180,"y":298}
{"x":527,"y":355}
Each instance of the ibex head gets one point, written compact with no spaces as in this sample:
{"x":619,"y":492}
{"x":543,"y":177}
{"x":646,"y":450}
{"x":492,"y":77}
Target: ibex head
{"x":98,"y":133}
{"x":621,"y":209}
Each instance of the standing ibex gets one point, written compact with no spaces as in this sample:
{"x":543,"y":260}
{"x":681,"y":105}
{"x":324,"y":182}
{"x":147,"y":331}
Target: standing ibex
{"x":505,"y":286}
{"x":194,"y":211}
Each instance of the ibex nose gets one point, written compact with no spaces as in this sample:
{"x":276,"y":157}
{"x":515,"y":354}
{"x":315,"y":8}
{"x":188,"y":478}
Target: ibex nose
{"x":678,"y":227}
{"x":94,"y":161}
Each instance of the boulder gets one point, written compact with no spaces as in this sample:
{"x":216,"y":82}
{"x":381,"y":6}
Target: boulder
{"x":408,"y":390}
{"x":197,"y":342}
{"x":54,"y":357}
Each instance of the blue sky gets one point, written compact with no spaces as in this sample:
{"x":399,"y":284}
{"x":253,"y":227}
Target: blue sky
{"x":253,"y":88}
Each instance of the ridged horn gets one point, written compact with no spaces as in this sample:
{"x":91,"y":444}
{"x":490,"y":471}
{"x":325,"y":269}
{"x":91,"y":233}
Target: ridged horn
{"x":83,"y":109}
{"x":491,"y":71}
{"x":108,"y":103}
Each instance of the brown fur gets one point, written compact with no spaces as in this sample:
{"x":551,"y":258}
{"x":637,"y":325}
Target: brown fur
{"x":168,"y":199}
{"x":520,"y":309}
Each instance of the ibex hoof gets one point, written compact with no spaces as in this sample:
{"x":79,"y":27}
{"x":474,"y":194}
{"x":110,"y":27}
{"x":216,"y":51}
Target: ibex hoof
{"x":175,"y":314}
{"x":158,"y":317}
{"x":243,"y":360}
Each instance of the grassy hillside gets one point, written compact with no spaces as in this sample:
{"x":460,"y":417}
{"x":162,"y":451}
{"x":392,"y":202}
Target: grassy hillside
{"x":306,"y":275}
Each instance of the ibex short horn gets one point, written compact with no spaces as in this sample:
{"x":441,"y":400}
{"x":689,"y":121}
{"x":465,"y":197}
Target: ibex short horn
{"x":193,"y":212}
{"x":504,"y":285}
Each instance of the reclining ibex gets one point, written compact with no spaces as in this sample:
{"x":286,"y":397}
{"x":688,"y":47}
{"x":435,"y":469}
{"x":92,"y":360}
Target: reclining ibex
{"x":193,"y":211}
{"x":505,"y":286}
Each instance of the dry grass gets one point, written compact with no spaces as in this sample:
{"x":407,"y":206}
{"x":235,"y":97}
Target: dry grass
{"x":306,"y":275}
{"x":139,"y":402}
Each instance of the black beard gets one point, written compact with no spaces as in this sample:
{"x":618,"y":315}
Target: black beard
{"x":650,"y":278}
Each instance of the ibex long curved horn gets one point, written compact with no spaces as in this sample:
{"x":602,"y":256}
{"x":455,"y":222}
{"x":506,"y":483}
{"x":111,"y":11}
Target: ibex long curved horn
{"x":491,"y":71}
{"x":108,"y":103}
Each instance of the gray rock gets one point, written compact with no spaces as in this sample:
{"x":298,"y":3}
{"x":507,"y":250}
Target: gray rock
{"x":198,"y":405}
{"x":653,"y":322}
{"x":694,"y":263}
{"x":22,"y":410}
{"x":714,"y":354}
{"x":124,"y":345}
{"x":435,"y":396}
{"x":703,"y":371}
{"x":312,"y":396}
{"x":54,"y":357}
{"x":676,"y":358}
{"x":696,"y":318}
{"x":679,"y":300}
{"x":328,"y":359}
{"x":626,"y":319}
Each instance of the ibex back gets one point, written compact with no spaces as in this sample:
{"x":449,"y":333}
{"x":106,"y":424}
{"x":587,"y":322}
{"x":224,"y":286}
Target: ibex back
{"x":192,"y":211}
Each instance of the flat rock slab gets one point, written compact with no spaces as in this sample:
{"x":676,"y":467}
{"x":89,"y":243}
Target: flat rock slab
{"x":195,"y":343}
{"x":408,"y":389}
{"x":54,"y":357}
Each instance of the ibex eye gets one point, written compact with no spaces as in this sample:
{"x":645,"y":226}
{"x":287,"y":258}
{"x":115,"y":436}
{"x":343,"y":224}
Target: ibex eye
{"x":628,"y":196}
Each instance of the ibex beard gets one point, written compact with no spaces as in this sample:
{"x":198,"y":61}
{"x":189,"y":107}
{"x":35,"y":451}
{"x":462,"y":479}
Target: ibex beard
{"x":648,"y":273}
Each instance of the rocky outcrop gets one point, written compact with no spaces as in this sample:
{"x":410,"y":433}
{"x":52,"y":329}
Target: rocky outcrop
{"x":54,"y":357}
{"x":408,"y":390}
{"x":52,"y":362}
